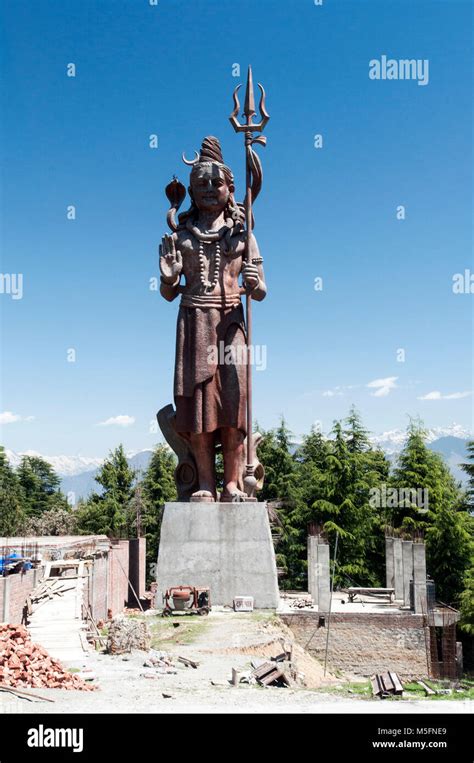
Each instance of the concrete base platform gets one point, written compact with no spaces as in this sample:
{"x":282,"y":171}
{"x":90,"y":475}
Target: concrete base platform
{"x":225,"y":546}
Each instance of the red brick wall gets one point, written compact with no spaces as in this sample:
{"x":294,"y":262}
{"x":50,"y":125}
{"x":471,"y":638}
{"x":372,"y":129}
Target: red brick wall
{"x":95,"y":587}
{"x":15,"y":589}
{"x":364,"y":644}
{"x":106,"y":587}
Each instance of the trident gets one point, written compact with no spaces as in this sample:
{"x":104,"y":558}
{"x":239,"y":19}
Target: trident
{"x":253,"y":174}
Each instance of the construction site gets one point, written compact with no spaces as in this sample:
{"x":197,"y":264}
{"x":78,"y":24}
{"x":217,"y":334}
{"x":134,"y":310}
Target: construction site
{"x":80,"y":632}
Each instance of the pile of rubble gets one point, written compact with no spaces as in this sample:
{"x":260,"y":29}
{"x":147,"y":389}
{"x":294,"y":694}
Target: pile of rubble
{"x":161,"y":661}
{"x":127,"y":633}
{"x":24,"y":664}
{"x":301,"y":603}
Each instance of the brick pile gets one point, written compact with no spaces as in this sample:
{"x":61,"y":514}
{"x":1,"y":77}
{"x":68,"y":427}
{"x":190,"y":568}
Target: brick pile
{"x":27,"y":665}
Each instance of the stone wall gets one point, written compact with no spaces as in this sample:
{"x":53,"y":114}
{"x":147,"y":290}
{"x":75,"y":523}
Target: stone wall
{"x":363,"y":644}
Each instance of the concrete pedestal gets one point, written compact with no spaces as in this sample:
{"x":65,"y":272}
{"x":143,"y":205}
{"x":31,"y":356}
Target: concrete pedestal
{"x":225,"y":546}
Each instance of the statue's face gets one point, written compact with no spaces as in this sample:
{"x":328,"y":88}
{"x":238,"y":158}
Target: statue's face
{"x":209,"y":187}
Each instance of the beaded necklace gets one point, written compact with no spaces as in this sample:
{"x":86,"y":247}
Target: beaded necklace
{"x":209,"y":238}
{"x":217,"y":261}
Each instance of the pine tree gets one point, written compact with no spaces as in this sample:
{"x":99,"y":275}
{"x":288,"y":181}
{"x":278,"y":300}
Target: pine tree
{"x":12,"y":511}
{"x":313,"y":449}
{"x":274,"y":454}
{"x":40,"y":486}
{"x":469,"y":469}
{"x":449,"y":551}
{"x":444,"y":521}
{"x":345,"y":509}
{"x":356,"y":436}
{"x":280,"y":486}
{"x":467,"y":602}
{"x":420,"y":469}
{"x":158,"y":487}
{"x":108,"y":512}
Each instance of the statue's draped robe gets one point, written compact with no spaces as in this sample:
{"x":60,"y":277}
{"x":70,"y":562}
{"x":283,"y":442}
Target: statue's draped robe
{"x":210,"y":393}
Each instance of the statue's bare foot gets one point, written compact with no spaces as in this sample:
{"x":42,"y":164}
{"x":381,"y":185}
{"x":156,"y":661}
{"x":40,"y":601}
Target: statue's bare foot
{"x":204,"y":496}
{"x":232,"y":494}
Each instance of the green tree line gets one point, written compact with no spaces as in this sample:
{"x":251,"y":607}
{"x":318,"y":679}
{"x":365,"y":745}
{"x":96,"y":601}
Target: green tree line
{"x":338,"y":485}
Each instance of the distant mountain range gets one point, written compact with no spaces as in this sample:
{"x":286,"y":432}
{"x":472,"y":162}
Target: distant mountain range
{"x":77,"y":472}
{"x":393,"y":441}
{"x":449,"y":442}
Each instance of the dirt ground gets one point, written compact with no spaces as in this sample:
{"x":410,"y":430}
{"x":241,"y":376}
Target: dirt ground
{"x":219,"y":642}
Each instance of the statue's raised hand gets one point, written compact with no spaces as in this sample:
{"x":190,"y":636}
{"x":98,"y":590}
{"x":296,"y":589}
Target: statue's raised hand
{"x":171,"y":260}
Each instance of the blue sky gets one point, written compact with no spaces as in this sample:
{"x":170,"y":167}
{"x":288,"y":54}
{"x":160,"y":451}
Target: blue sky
{"x":329,"y":212}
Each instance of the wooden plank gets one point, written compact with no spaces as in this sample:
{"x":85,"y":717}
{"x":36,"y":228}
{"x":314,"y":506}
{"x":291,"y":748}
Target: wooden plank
{"x":387,"y":684}
{"x":279,"y":657}
{"x":371,"y":590}
{"x":262,"y":670}
{"x":396,"y":683}
{"x":188,"y":663}
{"x":22,"y":693}
{"x":427,"y":689}
{"x":271,"y":677}
{"x":376,"y":689}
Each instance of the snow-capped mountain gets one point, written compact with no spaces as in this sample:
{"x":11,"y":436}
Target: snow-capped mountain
{"x":68,"y":466}
{"x":394,"y":440}
{"x":62,"y":465}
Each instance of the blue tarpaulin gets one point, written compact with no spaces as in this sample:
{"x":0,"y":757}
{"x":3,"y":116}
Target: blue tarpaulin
{"x":5,"y":561}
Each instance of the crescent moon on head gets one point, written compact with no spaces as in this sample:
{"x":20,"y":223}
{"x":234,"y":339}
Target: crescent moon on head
{"x":191,"y":162}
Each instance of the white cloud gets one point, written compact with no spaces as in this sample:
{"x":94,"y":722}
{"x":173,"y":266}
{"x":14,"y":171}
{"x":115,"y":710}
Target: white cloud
{"x":339,"y":390}
{"x":383,"y":386}
{"x":436,"y":395}
{"x":120,"y":421}
{"x":7,"y":417}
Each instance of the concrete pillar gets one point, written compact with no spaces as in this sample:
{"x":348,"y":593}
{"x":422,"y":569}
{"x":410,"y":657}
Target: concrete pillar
{"x":324,"y":591}
{"x":312,"y":567}
{"x":92,"y":591}
{"x":389,"y":572}
{"x":407,"y":559}
{"x":6,"y":599}
{"x":107,"y":589}
{"x":398,"y":569}
{"x":419,"y":578}
{"x":136,"y":569}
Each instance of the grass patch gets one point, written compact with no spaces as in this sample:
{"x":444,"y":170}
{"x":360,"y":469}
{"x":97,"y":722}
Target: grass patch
{"x":264,"y":617}
{"x":349,"y":689}
{"x":464,"y":690}
{"x":166,"y":631}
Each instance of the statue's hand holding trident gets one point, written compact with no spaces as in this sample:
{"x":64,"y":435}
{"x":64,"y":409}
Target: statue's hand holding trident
{"x":250,"y":276}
